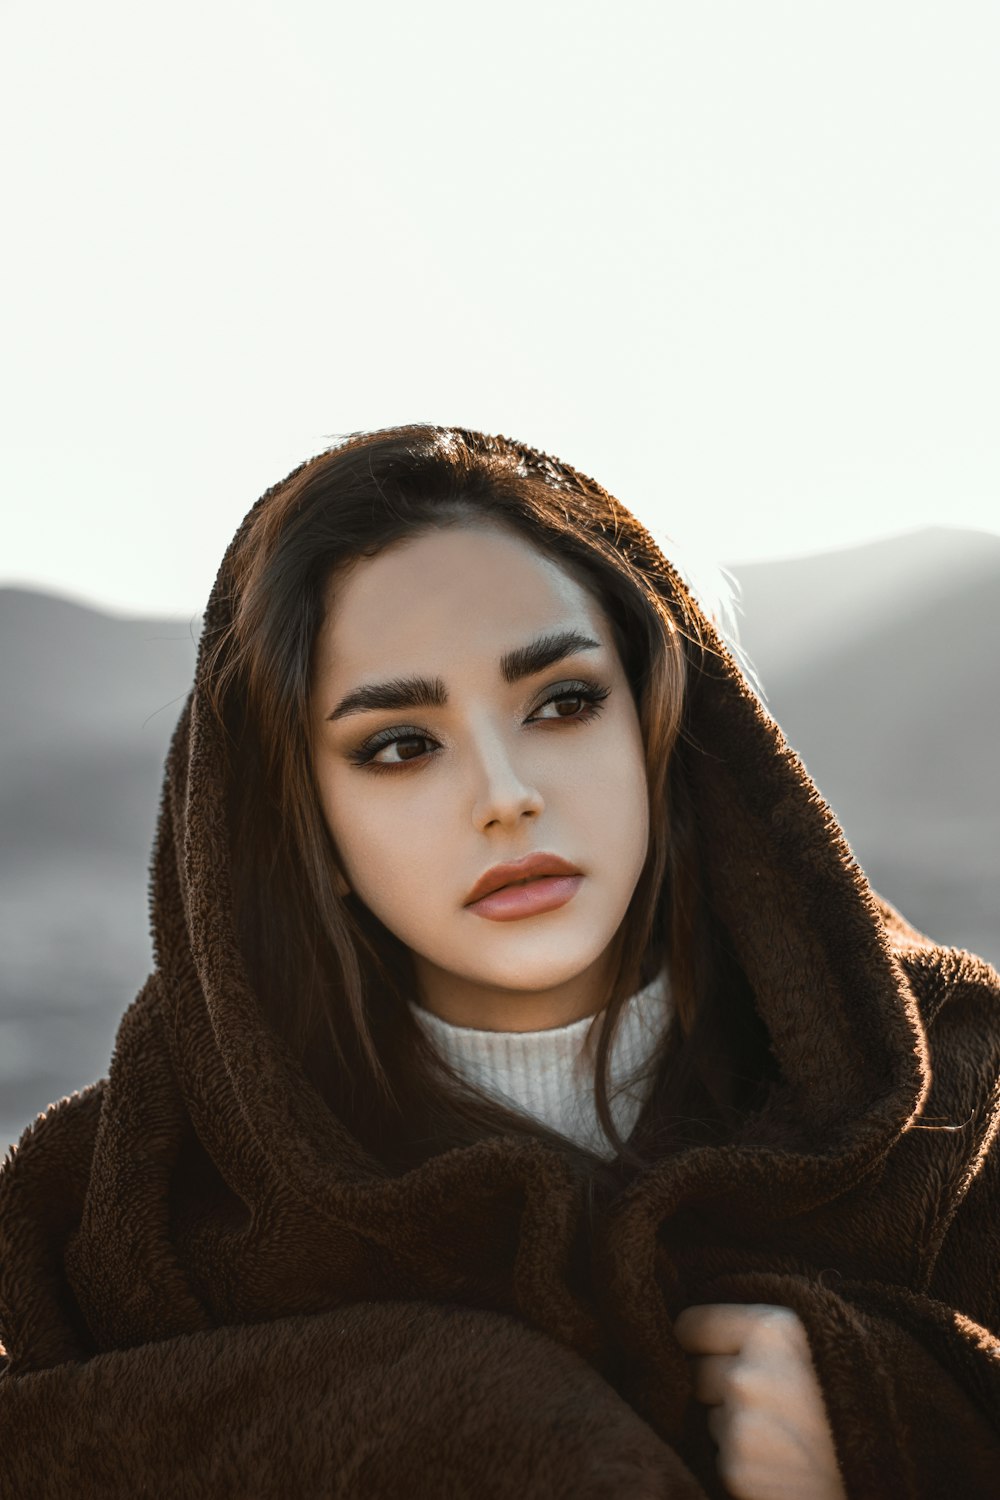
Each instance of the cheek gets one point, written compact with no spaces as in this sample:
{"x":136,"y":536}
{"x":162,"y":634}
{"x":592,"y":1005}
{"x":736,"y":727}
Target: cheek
{"x":611,"y":788}
{"x":404,"y":872}
{"x":390,"y":849}
{"x":344,"y":813}
{"x":331,"y":801}
{"x":627,"y":819}
{"x":353,"y":821}
{"x":624,"y":808}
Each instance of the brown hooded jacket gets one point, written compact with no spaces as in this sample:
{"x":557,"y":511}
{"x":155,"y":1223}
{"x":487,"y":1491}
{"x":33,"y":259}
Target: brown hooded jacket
{"x":204,"y":1291}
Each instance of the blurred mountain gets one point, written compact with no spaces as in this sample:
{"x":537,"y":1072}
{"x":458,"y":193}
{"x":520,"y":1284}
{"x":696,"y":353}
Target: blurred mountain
{"x":74,"y":679}
{"x":879,"y":662}
{"x":88,"y":703}
{"x":893,"y":703}
{"x":844,"y":597}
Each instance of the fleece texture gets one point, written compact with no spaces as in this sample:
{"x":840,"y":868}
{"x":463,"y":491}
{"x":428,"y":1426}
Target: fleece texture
{"x":205,"y":1290}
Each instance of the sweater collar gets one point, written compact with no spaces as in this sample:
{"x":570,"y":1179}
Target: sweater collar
{"x":549,"y":1075}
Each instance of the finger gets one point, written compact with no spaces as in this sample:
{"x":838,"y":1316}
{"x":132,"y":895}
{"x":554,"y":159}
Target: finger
{"x":724,"y":1327}
{"x":710,"y":1328}
{"x":711,"y":1377}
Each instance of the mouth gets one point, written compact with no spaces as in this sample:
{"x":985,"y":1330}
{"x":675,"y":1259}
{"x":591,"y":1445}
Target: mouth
{"x":528,"y":897}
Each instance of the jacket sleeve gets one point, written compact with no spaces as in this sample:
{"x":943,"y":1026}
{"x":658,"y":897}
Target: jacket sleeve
{"x":373,"y":1400}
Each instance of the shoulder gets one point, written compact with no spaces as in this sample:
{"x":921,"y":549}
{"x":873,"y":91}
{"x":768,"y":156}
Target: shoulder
{"x":957,"y":995}
{"x":950,"y":985}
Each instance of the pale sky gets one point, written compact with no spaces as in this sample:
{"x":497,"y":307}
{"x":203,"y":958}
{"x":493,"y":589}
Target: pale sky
{"x":737,"y":261}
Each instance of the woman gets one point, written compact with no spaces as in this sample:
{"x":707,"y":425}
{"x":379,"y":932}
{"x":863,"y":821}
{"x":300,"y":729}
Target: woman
{"x":671,"y":1171}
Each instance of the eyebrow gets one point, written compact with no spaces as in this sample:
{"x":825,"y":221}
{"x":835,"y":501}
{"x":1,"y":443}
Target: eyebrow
{"x":430,"y":692}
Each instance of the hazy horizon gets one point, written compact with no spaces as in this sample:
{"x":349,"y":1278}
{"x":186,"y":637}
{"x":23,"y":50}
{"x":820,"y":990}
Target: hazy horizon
{"x":706,"y":574}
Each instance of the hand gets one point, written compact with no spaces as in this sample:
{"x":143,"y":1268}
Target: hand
{"x":753,"y":1367}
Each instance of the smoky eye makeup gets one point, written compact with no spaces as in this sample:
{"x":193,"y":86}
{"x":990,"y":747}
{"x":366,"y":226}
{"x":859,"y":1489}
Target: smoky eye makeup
{"x":587,"y":693}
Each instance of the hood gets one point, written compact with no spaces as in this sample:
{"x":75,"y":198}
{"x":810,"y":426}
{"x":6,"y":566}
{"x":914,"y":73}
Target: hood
{"x":203,"y":1103}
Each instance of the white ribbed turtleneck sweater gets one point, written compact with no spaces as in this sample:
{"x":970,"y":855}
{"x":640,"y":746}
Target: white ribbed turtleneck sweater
{"x":546,"y":1075}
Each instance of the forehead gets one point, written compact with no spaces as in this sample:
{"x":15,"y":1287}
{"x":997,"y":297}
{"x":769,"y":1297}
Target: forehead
{"x":474,"y":585}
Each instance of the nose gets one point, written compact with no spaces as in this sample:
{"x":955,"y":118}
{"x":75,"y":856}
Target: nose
{"x":505,"y":791}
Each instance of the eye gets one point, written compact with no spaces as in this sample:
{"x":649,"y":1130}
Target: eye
{"x":590,"y":694}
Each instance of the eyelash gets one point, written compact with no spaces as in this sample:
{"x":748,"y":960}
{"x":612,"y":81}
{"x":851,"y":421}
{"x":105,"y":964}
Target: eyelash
{"x":591,"y":693}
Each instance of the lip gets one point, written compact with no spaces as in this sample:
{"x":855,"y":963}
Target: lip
{"x":530,"y":867}
{"x":512,"y":902}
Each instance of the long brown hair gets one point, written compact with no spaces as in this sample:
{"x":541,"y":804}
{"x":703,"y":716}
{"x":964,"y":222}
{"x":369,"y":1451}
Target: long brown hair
{"x":332,"y":979}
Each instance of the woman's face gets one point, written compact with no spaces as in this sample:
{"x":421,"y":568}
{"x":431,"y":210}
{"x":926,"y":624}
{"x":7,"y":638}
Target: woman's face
{"x":493,"y":772}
